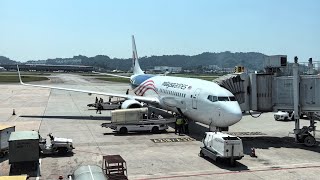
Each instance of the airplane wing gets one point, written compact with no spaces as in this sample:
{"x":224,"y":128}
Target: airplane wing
{"x":153,"y":100}
{"x":115,"y":75}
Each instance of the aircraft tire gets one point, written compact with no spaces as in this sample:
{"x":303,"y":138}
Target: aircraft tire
{"x":155,"y":129}
{"x":309,"y":141}
{"x":123,"y":130}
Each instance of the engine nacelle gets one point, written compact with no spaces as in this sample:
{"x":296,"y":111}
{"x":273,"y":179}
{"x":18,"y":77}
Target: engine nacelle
{"x":127,"y":104}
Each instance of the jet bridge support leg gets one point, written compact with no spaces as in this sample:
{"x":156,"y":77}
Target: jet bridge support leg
{"x":296,"y":88}
{"x":302,"y":135}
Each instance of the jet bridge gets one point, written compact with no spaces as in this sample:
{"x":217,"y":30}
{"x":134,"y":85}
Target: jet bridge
{"x":283,"y":86}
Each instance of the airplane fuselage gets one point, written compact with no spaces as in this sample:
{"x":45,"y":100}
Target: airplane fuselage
{"x":199,"y":100}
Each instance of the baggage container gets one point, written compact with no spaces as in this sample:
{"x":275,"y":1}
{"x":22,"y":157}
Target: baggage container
{"x":24,"y":147}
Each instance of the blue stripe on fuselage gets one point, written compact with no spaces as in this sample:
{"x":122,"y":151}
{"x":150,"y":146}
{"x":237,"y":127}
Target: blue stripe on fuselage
{"x":137,"y":80}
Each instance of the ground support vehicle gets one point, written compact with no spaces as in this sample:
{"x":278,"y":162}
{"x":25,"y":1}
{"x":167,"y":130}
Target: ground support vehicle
{"x":283,"y":116}
{"x":217,"y":145}
{"x":5,"y":132}
{"x":56,"y":146}
{"x":133,"y":120}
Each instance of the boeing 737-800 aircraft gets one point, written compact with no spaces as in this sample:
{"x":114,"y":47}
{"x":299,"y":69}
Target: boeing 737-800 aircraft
{"x":196,"y":99}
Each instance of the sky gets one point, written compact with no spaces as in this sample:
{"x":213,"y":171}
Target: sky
{"x":38,"y":29}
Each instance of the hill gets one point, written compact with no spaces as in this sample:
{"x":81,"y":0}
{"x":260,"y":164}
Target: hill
{"x":251,"y":60}
{"x":5,"y":60}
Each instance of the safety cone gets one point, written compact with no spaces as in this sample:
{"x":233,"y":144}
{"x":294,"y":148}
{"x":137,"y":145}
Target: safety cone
{"x":14,"y":112}
{"x":253,"y":152}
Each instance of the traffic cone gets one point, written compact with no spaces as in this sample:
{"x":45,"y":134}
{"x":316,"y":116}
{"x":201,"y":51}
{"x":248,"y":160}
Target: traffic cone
{"x":253,"y":152}
{"x":14,"y":112}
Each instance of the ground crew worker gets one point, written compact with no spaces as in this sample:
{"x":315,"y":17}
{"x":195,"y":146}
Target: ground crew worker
{"x":153,"y":115}
{"x":97,"y":100}
{"x":186,"y":126}
{"x":101,"y":100}
{"x":179,"y":122}
{"x":99,"y":107}
{"x":175,"y":124}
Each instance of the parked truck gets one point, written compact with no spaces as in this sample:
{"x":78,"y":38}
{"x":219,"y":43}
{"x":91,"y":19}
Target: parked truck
{"x":5,"y":132}
{"x":137,"y":119}
{"x":217,"y":145}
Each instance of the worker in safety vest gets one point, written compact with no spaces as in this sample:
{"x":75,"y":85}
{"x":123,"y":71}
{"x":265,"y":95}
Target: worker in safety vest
{"x":179,"y":123}
{"x":185,"y":126}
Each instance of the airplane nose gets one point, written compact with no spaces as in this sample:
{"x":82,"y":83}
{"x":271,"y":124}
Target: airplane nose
{"x":232,"y":114}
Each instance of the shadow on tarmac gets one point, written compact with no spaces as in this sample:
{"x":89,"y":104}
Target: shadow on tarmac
{"x":225,"y":164}
{"x":139,"y":133}
{"x":4,"y":158}
{"x":197,"y":132}
{"x":56,"y":155}
{"x":71,"y":117}
{"x":266,"y":142}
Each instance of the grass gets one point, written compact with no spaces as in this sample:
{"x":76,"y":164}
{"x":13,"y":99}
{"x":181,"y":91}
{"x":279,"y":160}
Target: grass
{"x":114,"y":79}
{"x":24,"y":73}
{"x":12,"y":79}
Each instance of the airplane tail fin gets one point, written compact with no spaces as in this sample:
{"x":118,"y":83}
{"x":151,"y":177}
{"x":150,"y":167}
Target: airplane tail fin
{"x":135,"y":65}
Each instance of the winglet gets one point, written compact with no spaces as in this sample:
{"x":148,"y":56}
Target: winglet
{"x":19,"y":74}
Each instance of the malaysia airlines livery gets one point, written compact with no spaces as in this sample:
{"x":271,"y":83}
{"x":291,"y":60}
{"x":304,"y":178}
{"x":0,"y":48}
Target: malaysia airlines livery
{"x":196,"y":99}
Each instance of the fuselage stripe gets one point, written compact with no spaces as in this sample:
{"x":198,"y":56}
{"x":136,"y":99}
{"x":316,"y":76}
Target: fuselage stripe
{"x":140,"y":85}
{"x":147,"y":90}
{"x":144,"y":86}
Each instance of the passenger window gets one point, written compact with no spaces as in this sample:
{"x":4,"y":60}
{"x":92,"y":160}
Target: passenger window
{"x":232,"y":98}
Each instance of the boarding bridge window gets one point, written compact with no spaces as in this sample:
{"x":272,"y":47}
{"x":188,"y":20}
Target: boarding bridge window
{"x":212,"y":98}
{"x":222,"y":98}
{"x":232,"y":98}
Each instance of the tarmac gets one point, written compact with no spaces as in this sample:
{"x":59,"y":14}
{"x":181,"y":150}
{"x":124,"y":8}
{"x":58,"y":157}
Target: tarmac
{"x":148,"y":156}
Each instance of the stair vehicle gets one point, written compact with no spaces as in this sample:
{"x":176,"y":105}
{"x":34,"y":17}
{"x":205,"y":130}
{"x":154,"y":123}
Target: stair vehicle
{"x":56,"y":146}
{"x":135,"y":120}
{"x":217,"y":145}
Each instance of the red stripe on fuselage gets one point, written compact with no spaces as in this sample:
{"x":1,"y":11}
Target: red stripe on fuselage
{"x":145,"y":86}
{"x":141,"y":85}
{"x":149,"y":88}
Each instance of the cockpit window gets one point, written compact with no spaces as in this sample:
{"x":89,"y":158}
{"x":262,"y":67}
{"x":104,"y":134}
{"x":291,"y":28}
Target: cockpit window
{"x":222,"y":98}
{"x":212,"y":98}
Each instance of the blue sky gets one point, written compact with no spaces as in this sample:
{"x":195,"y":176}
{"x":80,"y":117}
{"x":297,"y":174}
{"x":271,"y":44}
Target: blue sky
{"x":37,"y":29}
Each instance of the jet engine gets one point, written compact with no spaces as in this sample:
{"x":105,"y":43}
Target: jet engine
{"x":127,"y":104}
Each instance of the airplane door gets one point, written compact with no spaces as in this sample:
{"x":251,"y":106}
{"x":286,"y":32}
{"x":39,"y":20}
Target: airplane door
{"x":195,"y":98}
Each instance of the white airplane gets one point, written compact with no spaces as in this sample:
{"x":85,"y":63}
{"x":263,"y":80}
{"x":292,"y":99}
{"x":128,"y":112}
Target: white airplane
{"x":196,"y":99}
